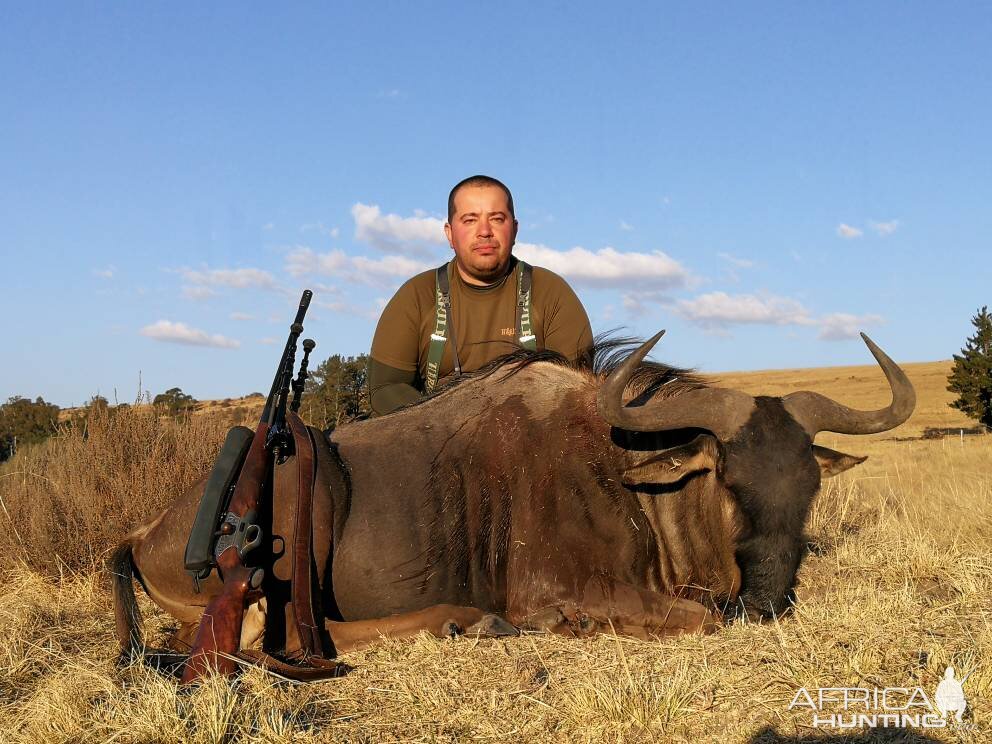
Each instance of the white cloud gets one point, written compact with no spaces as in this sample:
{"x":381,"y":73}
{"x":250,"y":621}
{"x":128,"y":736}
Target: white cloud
{"x":268,"y":225}
{"x":304,"y":261}
{"x":636,"y":302}
{"x":607,"y":267}
{"x":106,"y":273}
{"x":348,"y":308}
{"x":719,"y":310}
{"x":391,"y":233}
{"x":626,"y":226}
{"x":389,"y":266}
{"x":320,"y":227}
{"x":847,"y":232}
{"x":267,"y":341}
{"x":841,"y":326}
{"x":884,"y":228}
{"x":241,"y":316}
{"x":301,"y":261}
{"x":198,"y":292}
{"x":235,"y":278}
{"x":741,"y":263}
{"x":180,"y":333}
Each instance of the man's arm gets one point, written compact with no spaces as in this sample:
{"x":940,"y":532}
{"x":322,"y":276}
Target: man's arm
{"x":394,"y":360}
{"x":390,"y":388}
{"x":566,"y":324}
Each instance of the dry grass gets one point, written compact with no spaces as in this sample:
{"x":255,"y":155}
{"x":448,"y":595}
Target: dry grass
{"x":896,"y":587}
{"x":69,"y":500}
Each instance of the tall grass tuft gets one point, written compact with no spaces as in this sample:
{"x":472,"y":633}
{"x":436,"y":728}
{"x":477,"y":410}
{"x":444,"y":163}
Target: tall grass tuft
{"x":65,"y":502}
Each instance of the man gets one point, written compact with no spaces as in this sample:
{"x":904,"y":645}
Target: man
{"x":495,"y":304}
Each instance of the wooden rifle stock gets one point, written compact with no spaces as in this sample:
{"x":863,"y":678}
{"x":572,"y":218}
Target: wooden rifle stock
{"x":218,"y":638}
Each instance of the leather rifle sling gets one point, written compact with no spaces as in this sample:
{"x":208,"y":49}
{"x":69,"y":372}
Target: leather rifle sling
{"x":309,"y":617}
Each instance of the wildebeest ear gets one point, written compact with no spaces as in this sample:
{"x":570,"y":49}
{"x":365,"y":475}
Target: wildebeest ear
{"x":673,"y":464}
{"x":832,"y":462}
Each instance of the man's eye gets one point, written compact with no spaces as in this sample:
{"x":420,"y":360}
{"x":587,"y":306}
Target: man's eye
{"x":497,"y":219}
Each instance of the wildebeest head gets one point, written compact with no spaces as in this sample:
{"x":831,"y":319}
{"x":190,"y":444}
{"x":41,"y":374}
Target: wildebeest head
{"x":760,"y":449}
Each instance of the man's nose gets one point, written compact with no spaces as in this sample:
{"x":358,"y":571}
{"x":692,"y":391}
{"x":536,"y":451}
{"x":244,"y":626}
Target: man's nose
{"x":484,"y":229}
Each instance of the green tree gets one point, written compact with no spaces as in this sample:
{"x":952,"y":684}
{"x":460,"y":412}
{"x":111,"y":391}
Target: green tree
{"x":971,"y":375}
{"x":337,"y":391}
{"x":174,"y":402}
{"x":25,"y":422}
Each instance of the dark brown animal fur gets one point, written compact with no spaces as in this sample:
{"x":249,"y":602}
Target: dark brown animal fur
{"x":507,"y":493}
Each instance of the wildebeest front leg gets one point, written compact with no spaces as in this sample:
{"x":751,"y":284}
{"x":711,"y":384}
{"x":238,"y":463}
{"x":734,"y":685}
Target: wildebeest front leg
{"x":441,"y":621}
{"x":609,"y":605}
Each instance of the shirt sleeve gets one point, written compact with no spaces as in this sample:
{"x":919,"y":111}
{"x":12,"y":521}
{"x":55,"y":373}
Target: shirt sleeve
{"x":566,"y":324}
{"x":390,"y":388}
{"x":397,"y":335}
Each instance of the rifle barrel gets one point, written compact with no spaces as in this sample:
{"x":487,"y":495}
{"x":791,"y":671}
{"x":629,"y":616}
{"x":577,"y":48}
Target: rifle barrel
{"x":294,"y":333}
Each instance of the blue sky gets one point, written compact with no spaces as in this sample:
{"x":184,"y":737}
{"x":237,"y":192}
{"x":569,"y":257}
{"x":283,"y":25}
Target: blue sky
{"x":761,"y":180}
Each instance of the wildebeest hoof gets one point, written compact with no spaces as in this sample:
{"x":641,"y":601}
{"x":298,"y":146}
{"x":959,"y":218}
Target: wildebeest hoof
{"x":492,"y":626}
{"x":549,"y":619}
{"x":587,"y":625}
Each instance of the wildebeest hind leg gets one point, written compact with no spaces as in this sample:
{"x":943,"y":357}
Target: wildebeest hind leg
{"x":441,"y":621}
{"x":608,"y":605}
{"x":641,"y":612}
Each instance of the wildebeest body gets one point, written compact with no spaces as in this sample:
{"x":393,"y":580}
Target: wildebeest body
{"x":534,"y":491}
{"x":520,"y":490}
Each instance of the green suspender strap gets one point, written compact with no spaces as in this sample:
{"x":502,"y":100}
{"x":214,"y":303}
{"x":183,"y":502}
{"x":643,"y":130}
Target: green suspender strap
{"x":443,"y":323}
{"x":524,"y":333}
{"x":442,"y":304}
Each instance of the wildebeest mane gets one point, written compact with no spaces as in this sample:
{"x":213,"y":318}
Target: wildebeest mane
{"x":605,"y":355}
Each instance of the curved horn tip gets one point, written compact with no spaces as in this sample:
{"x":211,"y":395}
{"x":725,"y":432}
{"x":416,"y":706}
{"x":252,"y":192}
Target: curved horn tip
{"x":874,"y":348}
{"x":638,"y":356}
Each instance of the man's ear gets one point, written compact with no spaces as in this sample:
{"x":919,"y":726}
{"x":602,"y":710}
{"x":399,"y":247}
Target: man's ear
{"x":447,"y":234}
{"x":673,"y":464}
{"x":832,"y":462}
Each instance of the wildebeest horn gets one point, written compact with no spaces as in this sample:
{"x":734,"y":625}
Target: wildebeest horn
{"x":720,"y":411}
{"x":816,"y":412}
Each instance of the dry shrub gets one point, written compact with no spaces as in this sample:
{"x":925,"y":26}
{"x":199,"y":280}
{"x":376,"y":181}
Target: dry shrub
{"x":66,"y":501}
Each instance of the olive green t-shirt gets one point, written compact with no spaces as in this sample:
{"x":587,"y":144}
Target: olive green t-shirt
{"x":484,"y":320}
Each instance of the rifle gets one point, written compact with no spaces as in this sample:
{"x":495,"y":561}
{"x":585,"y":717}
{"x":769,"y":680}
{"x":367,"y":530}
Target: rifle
{"x":218,"y":638}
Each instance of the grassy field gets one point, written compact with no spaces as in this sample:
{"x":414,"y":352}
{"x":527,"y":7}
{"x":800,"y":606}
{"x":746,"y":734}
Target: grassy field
{"x":895,"y":588}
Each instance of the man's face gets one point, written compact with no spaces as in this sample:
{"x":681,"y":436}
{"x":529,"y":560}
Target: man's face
{"x":481,"y":233}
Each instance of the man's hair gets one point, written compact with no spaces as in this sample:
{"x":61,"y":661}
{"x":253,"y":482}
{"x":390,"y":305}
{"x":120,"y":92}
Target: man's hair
{"x":479,"y":181}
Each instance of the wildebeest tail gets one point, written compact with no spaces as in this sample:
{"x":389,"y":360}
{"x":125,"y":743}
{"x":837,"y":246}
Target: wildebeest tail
{"x":127,"y":616}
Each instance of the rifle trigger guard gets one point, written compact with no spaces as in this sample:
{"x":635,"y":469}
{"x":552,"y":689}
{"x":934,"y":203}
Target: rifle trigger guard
{"x":252,"y":539}
{"x":244,"y":535}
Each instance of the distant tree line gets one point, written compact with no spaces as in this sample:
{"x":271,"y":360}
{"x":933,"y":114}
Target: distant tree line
{"x":174,"y":402}
{"x":23,"y":421}
{"x":337,"y":391}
